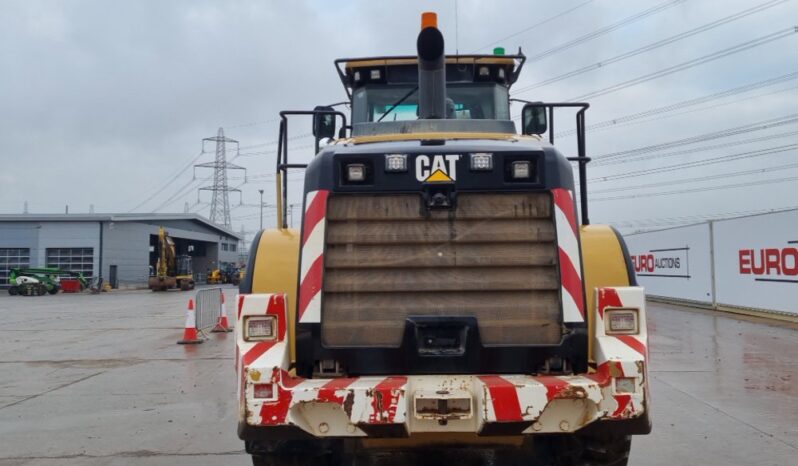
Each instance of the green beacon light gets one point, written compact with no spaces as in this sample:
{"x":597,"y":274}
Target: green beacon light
{"x":498,"y":51}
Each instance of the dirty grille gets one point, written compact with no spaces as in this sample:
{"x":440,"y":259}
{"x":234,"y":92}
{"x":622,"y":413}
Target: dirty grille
{"x":494,"y":258}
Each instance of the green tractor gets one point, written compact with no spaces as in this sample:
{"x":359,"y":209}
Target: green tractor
{"x":39,"y":281}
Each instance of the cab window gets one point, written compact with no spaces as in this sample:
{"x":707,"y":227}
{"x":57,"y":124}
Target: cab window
{"x":480,"y":101}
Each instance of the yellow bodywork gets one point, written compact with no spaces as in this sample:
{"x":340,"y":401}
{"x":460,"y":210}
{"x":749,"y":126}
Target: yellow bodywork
{"x":215,"y":276}
{"x":276,"y":268}
{"x":604,"y":265}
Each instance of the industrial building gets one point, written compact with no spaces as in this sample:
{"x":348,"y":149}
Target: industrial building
{"x":119,"y":247}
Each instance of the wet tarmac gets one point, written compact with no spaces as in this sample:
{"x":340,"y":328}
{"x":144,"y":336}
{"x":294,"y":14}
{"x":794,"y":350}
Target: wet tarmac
{"x":99,"y":380}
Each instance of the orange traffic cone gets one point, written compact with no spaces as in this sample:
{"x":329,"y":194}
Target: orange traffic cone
{"x":222,"y":325}
{"x":190,"y":333}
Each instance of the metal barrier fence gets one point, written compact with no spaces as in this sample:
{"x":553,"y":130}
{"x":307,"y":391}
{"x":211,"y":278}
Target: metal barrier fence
{"x":209,"y":307}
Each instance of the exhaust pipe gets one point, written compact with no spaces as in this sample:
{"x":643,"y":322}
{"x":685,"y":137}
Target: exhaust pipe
{"x":431,"y":69}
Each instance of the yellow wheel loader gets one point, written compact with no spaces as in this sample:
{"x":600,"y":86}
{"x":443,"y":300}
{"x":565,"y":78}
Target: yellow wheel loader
{"x":446,"y":290}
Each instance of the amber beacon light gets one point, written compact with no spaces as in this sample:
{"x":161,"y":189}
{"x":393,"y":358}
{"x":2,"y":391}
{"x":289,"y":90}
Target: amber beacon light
{"x":429,"y":20}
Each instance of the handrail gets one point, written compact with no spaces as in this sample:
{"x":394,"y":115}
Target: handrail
{"x":281,"y":180}
{"x":582,"y":159}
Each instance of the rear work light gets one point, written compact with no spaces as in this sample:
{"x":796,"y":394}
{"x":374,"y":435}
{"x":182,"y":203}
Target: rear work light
{"x":521,"y":169}
{"x":482,"y":161}
{"x":621,"y":322}
{"x":395,"y":162}
{"x":259,"y":328}
{"x":355,"y":172}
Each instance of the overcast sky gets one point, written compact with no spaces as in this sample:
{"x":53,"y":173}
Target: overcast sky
{"x":103,"y":102}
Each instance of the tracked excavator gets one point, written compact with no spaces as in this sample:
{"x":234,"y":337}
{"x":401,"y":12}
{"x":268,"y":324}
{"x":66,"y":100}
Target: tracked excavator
{"x":171,"y":270}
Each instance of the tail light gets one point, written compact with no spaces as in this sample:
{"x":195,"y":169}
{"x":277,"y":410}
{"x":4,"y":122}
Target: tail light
{"x":621,"y":322}
{"x":264,"y":390}
{"x":260,"y":328}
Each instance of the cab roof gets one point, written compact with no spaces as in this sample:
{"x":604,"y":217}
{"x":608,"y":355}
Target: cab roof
{"x":357,"y":72}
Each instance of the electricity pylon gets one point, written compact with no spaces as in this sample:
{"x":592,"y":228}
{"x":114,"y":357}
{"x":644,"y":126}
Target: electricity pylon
{"x":220,"y":202}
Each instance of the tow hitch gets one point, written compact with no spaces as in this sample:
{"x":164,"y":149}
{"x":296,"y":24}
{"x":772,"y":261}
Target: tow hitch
{"x":443,"y":405}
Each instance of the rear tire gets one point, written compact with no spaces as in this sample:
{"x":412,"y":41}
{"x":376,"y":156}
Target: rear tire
{"x":614,"y":452}
{"x":591,"y":450}
{"x":13,"y":291}
{"x":295,"y":453}
{"x":291,"y":460}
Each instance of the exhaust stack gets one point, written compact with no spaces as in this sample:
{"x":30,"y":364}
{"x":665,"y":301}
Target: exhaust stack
{"x":431,"y":69}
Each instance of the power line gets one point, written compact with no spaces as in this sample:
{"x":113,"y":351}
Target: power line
{"x":710,"y":107}
{"x":664,"y":221}
{"x":169,"y":182}
{"x":755,"y":171}
{"x":690,"y":63}
{"x":255,"y":123}
{"x":276,"y":141}
{"x":694,"y":150}
{"x":274,"y":151}
{"x":618,"y":121}
{"x":534,"y":26}
{"x":698,"y":163}
{"x":174,"y":197}
{"x":174,"y":177}
{"x":185,"y":190}
{"x":652,"y":46}
{"x":698,"y":190}
{"x":765,"y":124}
{"x":605,"y":30}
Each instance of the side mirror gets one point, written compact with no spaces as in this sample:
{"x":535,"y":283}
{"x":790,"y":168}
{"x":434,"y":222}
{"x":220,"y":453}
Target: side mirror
{"x":533,"y":119}
{"x":323,"y":123}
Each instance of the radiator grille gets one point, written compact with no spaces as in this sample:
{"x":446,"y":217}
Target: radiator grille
{"x":494,"y":257}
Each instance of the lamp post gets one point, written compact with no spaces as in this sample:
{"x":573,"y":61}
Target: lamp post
{"x":261,"y":208}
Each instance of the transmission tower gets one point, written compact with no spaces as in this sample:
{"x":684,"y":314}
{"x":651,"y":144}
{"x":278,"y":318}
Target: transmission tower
{"x":220,"y":202}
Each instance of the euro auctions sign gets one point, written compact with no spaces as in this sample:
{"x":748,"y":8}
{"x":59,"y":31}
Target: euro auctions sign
{"x":756,"y":261}
{"x":770,"y":264}
{"x":668,"y":262}
{"x":674,"y":263}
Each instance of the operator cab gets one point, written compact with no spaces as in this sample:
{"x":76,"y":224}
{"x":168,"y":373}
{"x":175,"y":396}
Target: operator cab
{"x":386,"y":97}
{"x":477,"y":87}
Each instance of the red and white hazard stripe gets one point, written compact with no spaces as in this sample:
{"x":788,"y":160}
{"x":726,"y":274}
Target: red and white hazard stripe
{"x":571,"y":289}
{"x":621,"y":347}
{"x":520,"y":398}
{"x":498,"y":398}
{"x":622,"y":355}
{"x":311,"y":270}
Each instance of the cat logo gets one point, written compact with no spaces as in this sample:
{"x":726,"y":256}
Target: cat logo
{"x":437,"y":168}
